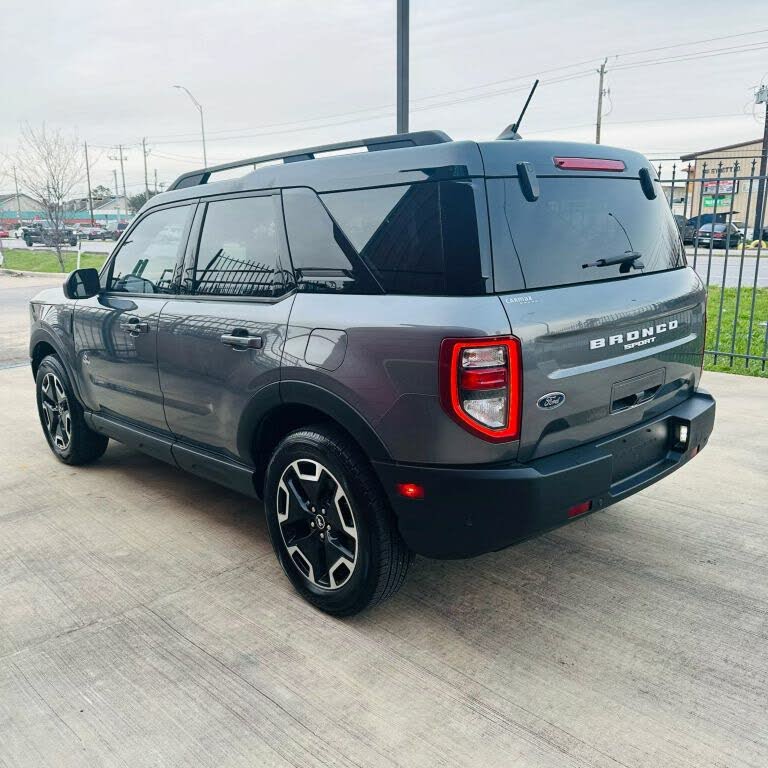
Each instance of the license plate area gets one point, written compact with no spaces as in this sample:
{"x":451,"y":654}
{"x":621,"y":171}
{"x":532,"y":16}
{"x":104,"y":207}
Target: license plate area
{"x":640,"y":450}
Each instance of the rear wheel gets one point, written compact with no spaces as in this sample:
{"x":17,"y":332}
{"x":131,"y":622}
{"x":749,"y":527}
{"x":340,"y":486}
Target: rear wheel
{"x":61,"y":416}
{"x":330,"y":524}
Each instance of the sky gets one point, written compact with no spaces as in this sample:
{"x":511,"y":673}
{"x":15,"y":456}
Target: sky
{"x":282,"y":74}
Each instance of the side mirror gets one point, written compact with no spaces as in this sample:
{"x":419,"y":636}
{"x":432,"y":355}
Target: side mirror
{"x":82,"y":284}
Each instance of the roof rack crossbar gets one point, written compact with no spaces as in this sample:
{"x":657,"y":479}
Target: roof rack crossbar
{"x":374,"y":144}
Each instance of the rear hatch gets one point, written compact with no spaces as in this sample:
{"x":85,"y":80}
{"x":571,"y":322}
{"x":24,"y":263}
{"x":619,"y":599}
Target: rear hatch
{"x":604,"y":346}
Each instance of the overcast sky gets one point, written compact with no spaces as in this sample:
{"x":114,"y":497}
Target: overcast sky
{"x":280,"y":74}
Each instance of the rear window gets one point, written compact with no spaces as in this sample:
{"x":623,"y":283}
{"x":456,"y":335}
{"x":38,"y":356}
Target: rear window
{"x":577,"y":221}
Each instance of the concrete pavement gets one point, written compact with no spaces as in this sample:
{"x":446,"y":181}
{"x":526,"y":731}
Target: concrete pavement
{"x":15,"y":293}
{"x":144,"y":621}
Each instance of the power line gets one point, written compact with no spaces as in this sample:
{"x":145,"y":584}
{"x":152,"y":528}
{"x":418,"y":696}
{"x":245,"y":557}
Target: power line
{"x":759,"y":46}
{"x":476,"y":87}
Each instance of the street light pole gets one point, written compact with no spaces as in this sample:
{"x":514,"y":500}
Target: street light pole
{"x":202,"y":122}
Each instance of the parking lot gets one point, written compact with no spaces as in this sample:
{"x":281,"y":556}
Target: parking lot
{"x":144,"y":621}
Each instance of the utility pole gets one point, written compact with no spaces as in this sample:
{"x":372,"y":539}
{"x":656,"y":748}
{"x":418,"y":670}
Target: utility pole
{"x":155,"y":180}
{"x":121,"y":157}
{"x":402,"y":65}
{"x":761,"y":97}
{"x":117,"y":193}
{"x":600,"y":93}
{"x":145,"y":153}
{"x":18,"y":199}
{"x":122,"y":169}
{"x":88,"y":178}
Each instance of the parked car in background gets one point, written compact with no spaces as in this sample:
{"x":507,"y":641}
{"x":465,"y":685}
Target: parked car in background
{"x":719,"y":235}
{"x":722,"y":217}
{"x":49,"y":236}
{"x":687,"y":230}
{"x":114,"y":234}
{"x":20,"y":231}
{"x":91,"y":232}
{"x":4,"y":233}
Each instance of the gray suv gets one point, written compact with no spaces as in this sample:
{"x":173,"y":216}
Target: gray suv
{"x":413,"y":345}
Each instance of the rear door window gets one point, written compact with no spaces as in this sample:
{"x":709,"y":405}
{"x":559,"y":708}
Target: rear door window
{"x":576,"y":221}
{"x":239,"y":248}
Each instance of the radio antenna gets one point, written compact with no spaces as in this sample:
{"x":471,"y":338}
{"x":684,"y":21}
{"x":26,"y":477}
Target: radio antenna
{"x":511,"y":131}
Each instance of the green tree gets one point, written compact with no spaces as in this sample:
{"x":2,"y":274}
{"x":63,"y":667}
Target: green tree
{"x":136,"y":201}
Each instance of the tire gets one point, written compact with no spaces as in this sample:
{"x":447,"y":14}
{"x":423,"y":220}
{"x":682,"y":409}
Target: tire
{"x":70,"y":439}
{"x":317,"y":478}
{"x":28,"y":243}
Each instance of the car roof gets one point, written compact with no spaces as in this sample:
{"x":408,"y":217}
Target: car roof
{"x":440,"y":161}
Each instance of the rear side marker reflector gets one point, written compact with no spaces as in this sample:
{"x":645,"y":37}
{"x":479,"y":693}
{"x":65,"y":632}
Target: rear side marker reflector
{"x":579,"y":509}
{"x":411,"y":490}
{"x":589,"y":164}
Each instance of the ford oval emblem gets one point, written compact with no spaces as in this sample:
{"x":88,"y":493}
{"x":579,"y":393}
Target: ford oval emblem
{"x":551,"y":400}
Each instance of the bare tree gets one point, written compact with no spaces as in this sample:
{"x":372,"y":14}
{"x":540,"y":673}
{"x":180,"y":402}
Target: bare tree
{"x":50,"y":166}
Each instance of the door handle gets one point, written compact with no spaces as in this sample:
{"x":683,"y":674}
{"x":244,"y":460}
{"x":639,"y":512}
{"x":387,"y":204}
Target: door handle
{"x":241,"y":339}
{"x":134,"y":326}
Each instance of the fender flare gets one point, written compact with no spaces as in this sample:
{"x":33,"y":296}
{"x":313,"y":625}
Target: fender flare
{"x":43,"y":334}
{"x":340,"y":411}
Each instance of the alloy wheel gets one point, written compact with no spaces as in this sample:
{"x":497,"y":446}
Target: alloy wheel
{"x":317,"y":524}
{"x":56,"y":414}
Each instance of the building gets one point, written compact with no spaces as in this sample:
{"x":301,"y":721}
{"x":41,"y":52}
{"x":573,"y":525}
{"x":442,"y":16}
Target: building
{"x":732,"y":193}
{"x":114,"y":209}
{"x":15,"y":207}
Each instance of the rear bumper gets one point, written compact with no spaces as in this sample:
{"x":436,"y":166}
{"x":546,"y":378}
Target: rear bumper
{"x":467,"y":511}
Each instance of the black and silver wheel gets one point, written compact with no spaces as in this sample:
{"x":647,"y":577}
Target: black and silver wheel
{"x":330,"y":524}
{"x":57,"y":418}
{"x":61,"y":416}
{"x":317,"y":524}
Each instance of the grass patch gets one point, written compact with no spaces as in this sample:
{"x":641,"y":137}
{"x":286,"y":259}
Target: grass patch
{"x":742,"y":331}
{"x":46,"y":261}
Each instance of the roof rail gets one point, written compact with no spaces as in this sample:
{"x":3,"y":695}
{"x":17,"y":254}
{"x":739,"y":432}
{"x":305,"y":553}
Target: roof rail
{"x":374,"y":144}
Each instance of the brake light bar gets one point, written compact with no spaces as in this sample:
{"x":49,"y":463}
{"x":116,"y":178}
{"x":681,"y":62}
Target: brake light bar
{"x":589,"y":164}
{"x":481,"y":386}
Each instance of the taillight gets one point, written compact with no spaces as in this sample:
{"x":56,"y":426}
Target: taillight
{"x":481,"y":386}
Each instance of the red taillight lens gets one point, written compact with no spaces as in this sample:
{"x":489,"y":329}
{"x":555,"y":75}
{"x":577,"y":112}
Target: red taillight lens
{"x":480,"y":385}
{"x":588,"y":164}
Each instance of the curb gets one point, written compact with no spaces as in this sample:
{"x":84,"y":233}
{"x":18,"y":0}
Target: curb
{"x":23,"y":273}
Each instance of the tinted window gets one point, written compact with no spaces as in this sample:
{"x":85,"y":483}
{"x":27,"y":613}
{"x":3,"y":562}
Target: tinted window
{"x":324,"y":259}
{"x":239,"y":247}
{"x":146,"y":261}
{"x":576,"y":222}
{"x":419,"y":239}
{"x":416,"y":239}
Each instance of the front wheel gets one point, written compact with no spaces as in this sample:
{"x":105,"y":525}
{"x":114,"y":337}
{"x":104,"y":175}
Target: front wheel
{"x":61,"y":416}
{"x":330,"y":524}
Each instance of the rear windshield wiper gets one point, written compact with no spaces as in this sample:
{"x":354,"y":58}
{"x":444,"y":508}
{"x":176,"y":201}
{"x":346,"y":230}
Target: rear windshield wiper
{"x":628,"y":260}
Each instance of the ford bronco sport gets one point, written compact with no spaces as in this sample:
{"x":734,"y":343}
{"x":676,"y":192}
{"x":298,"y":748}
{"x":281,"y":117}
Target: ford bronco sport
{"x":432,"y":346}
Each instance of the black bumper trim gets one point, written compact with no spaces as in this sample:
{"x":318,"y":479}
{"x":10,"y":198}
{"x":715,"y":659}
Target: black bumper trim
{"x":467,"y":511}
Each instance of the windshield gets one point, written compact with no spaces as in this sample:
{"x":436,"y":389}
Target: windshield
{"x":561,"y":238}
